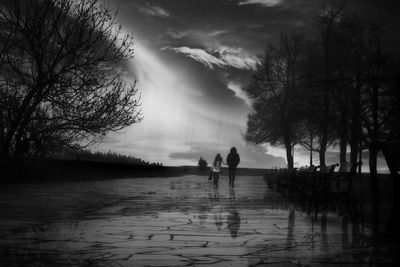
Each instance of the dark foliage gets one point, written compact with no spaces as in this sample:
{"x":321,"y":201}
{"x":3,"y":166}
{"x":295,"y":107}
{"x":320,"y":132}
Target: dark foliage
{"x":275,"y":93}
{"x":61,"y":84}
{"x":338,"y":87}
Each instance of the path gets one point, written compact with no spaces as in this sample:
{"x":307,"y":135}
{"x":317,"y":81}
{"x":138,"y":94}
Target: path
{"x":180,"y":221}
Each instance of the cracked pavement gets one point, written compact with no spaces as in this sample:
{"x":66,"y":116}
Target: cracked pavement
{"x":178,"y":221}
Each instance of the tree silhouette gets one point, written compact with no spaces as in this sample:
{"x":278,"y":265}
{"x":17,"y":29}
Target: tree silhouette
{"x":334,"y":71}
{"x":327,"y":61}
{"x":275,"y":90}
{"x":338,"y":87}
{"x":61,"y":80}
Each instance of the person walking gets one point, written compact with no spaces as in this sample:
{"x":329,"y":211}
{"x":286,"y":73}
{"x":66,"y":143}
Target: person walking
{"x":232,"y":160}
{"x":216,"y":168}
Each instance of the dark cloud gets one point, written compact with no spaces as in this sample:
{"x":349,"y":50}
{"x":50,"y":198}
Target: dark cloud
{"x":250,"y":25}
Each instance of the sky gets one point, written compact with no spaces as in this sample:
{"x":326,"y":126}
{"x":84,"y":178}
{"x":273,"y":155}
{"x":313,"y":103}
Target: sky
{"x":192,"y":60}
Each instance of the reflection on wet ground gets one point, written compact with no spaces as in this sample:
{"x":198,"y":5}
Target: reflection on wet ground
{"x":178,"y":221}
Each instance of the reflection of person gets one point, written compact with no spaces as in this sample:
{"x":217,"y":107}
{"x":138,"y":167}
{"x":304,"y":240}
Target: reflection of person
{"x":216,"y":168}
{"x":232,"y":160}
{"x":216,"y":209}
{"x":232,"y":195}
{"x":202,"y":219}
{"x":233,"y":221}
{"x":218,"y":219}
{"x":216,"y":194}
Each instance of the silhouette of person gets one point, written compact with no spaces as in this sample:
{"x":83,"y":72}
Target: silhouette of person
{"x":216,"y":168}
{"x":200,"y":162}
{"x":232,"y":160}
{"x":233,"y":221}
{"x":218,"y":218}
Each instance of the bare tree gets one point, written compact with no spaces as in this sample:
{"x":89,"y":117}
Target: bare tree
{"x":326,"y":24}
{"x":62,"y":81}
{"x":275,"y":89}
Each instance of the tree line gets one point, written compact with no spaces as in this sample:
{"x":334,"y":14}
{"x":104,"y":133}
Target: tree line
{"x":61,"y":75}
{"x":336,"y":86}
{"x":97,"y":156}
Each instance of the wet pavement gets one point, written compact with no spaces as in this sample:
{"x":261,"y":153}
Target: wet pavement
{"x":180,"y":221}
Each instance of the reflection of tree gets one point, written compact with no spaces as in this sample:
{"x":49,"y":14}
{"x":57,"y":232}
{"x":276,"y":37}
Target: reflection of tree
{"x":356,"y":234}
{"x":233,"y":221}
{"x":291,"y":226}
{"x":324,"y":233}
{"x":345,"y":233}
{"x":312,"y":233}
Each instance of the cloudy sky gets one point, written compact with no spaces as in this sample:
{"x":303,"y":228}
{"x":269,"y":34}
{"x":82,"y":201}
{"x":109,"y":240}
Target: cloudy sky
{"x":192,"y":59}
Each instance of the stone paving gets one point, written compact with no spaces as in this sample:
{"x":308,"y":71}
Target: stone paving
{"x":180,"y":221}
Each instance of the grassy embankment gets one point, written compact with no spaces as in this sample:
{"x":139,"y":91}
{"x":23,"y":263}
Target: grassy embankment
{"x":37,"y":170}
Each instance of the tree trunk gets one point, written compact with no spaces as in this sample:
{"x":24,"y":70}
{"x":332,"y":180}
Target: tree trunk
{"x":322,"y":162}
{"x":343,"y":140}
{"x":323,"y":145}
{"x":373,"y":153}
{"x":360,"y":160}
{"x":355,"y":135}
{"x":311,"y":149}
{"x":373,"y":150}
{"x":289,"y":156}
{"x":372,"y":167}
{"x":7,"y":147}
{"x":343,"y":151}
{"x":2,"y":132}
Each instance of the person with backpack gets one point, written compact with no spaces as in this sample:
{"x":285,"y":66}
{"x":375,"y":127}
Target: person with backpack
{"x":216,"y":168}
